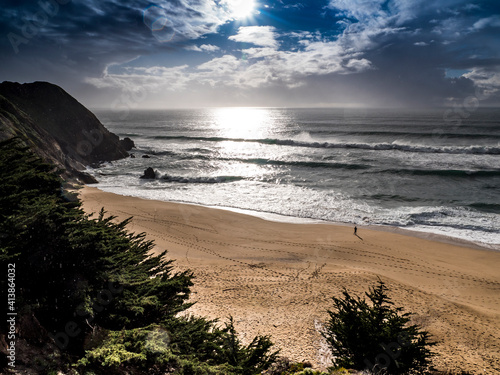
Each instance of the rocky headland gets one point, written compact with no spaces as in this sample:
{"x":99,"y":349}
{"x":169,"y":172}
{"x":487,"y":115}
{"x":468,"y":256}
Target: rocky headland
{"x":58,"y":128}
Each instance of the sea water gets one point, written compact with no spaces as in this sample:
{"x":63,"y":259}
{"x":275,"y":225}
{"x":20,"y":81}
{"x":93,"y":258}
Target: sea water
{"x":419,"y":170}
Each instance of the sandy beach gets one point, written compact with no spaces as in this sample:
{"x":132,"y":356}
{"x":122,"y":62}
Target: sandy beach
{"x":278,"y":278}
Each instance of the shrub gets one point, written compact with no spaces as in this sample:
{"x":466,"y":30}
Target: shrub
{"x":283,"y":366}
{"x":251,"y":359}
{"x":376,"y":336}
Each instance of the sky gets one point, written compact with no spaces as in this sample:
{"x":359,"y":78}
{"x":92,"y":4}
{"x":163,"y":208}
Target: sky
{"x":280,"y":53}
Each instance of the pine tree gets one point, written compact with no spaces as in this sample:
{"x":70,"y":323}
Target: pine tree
{"x":250,"y":359}
{"x":72,"y":267}
{"x":109,"y":304}
{"x":376,"y":336}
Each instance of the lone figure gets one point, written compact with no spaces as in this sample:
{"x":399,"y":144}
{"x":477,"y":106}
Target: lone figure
{"x":355,"y":230}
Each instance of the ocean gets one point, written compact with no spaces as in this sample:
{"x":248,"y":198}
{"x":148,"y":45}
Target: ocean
{"x":431,"y":171}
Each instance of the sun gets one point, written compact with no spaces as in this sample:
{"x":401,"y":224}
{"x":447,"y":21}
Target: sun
{"x":241,"y":8}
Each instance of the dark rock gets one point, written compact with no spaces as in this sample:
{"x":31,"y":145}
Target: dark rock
{"x":56,"y":127}
{"x":86,"y":178}
{"x":146,"y":156}
{"x":149,"y":174}
{"x":127,"y":143}
{"x":132,"y":156}
{"x":307,"y":364}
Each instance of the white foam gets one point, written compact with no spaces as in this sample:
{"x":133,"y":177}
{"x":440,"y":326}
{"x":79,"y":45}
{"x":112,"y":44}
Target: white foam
{"x":287,"y":203}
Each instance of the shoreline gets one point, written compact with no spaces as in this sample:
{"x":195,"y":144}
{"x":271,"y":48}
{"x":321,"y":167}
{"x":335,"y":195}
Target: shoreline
{"x":280,"y":218}
{"x":278,"y":278}
{"x":381,"y":227}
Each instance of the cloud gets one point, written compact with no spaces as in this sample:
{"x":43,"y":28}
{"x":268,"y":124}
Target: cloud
{"x":150,"y":79}
{"x":224,"y":64}
{"x":264,"y":36}
{"x":378,"y":49}
{"x":375,"y":50}
{"x":359,"y":9}
{"x":367,"y":22}
{"x":267,"y":66}
{"x":203,"y":48}
{"x":188,"y":18}
{"x":493,"y":21}
{"x":261,"y":67}
{"x":82,"y":38}
{"x":486,"y":79}
{"x":358,"y":65}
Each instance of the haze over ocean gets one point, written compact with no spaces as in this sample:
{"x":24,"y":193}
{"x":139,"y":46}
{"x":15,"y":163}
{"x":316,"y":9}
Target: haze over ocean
{"x":411,"y":169}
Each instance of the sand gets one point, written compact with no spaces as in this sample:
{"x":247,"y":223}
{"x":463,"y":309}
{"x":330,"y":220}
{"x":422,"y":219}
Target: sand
{"x":278,"y":278}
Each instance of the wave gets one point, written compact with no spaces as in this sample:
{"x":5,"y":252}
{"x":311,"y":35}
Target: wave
{"x":201,"y":180}
{"x":262,"y":161}
{"x":393,"y":198}
{"x":486,"y":207}
{"x":435,"y":134}
{"x":394,"y":146}
{"x":308,"y":164}
{"x":438,"y":218}
{"x":443,"y":172}
{"x":135,"y":135}
{"x":160,"y":153}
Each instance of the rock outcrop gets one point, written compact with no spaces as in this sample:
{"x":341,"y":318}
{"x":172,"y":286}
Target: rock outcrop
{"x":127,"y":143}
{"x":56,"y":127}
{"x":149,"y":174}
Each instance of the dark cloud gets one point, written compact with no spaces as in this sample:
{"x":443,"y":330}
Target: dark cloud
{"x":85,"y":36}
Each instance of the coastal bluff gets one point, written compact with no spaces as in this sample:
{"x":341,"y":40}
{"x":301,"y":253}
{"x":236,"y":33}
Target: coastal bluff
{"x":56,"y":127}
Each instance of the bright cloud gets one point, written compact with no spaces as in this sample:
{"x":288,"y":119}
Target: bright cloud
{"x":264,"y":36}
{"x":485,"y":79}
{"x":260,"y":67}
{"x":203,"y":48}
{"x":184,"y":18}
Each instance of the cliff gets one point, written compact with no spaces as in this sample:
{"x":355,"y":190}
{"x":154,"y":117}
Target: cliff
{"x":57,"y":127}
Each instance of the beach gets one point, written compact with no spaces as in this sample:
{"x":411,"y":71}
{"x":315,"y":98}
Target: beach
{"x":277,"y":278}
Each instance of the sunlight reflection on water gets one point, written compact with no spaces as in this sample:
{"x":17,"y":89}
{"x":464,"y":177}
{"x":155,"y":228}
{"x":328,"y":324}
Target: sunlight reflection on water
{"x":243,"y":122}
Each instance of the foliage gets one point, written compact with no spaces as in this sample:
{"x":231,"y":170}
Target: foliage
{"x":376,"y":336}
{"x":250,"y":359}
{"x":105,"y":300}
{"x":152,"y":349}
{"x":70,"y":268}
{"x":340,"y":371}
{"x":283,"y":366}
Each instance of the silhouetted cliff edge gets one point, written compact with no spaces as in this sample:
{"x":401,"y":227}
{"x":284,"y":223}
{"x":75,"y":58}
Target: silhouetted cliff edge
{"x":57,"y":127}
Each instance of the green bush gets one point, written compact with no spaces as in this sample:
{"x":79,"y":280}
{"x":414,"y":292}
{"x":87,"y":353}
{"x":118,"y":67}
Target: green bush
{"x":376,"y":336}
{"x":250,"y":359}
{"x":283,"y":366}
{"x":153,"y":350}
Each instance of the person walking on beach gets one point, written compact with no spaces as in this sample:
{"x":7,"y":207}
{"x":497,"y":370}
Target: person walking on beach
{"x":355,"y":230}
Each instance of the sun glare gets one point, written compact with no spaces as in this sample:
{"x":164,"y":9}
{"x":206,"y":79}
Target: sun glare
{"x":242,"y":122}
{"x":241,"y":8}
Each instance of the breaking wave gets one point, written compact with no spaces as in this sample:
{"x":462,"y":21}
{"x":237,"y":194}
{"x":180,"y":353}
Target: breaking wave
{"x":398,"y":146}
